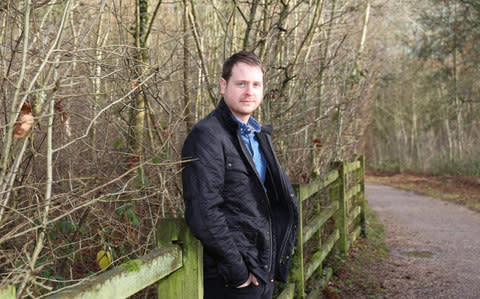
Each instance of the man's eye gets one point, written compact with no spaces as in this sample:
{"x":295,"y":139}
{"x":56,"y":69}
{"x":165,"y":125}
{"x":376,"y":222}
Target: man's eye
{"x":241,"y":84}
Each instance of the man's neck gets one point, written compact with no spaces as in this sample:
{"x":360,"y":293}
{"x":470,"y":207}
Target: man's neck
{"x":243,"y":118}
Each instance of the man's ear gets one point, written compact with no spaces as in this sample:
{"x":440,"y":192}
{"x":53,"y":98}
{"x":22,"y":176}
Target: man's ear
{"x":223,"y":85}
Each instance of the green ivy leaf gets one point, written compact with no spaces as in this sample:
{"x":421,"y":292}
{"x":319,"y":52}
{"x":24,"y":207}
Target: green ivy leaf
{"x":121,"y":210}
{"x":118,"y":143}
{"x":132,"y":217}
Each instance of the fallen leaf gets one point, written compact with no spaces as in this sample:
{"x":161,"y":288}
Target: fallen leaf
{"x":104,"y":258}
{"x":24,"y":121}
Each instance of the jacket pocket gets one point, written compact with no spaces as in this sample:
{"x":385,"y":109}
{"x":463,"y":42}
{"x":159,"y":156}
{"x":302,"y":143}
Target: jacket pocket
{"x":235,"y":164}
{"x":244,"y":239}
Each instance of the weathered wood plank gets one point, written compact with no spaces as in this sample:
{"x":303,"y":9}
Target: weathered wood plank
{"x":288,"y":292}
{"x":320,"y":255}
{"x":363,"y":201}
{"x":349,"y":167}
{"x":316,"y":293}
{"x":9,"y":292}
{"x":352,"y":192}
{"x":306,"y":191}
{"x":341,"y":215}
{"x":297,"y":261}
{"x":356,"y":211}
{"x":354,"y":235}
{"x":319,"y":220}
{"x":187,"y":282}
{"x":123,"y":282}
{"x":329,"y":178}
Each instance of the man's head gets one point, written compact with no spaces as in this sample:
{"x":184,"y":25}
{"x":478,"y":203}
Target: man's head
{"x":242,"y":84}
{"x":246,"y":57}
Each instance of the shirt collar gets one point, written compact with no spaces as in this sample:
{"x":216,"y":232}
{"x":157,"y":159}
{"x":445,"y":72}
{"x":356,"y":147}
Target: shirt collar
{"x":248,"y":128}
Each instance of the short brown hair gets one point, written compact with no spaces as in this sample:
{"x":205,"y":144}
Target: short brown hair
{"x":246,"y":57}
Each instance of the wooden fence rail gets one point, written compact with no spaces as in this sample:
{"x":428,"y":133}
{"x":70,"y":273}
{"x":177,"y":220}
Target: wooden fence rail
{"x":177,"y":264}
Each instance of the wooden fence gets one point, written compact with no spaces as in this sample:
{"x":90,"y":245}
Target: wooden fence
{"x":177,"y":265}
{"x":345,"y":186}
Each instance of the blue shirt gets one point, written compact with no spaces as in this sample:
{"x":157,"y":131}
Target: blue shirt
{"x":247,"y":131}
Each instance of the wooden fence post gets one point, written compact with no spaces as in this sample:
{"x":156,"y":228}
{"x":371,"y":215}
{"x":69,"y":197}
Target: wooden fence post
{"x":318,"y":211}
{"x":363,"y":201}
{"x":341,"y":219}
{"x":187,"y":282}
{"x":298,"y":272}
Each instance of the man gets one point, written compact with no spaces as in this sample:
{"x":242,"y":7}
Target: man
{"x":238,"y":200}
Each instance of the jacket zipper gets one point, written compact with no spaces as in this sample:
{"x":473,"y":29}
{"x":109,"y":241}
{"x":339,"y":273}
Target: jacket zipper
{"x":284,"y":244}
{"x":250,"y":159}
{"x":284,"y":187}
{"x":289,"y":231}
{"x":270,"y":260}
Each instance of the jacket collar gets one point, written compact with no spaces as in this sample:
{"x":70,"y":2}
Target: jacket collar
{"x":227,"y":118}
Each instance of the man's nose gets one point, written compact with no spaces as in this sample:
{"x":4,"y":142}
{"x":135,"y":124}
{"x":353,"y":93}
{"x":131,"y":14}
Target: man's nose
{"x":249,"y":89}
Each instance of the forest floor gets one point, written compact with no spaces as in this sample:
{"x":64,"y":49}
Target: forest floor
{"x":419,"y":246}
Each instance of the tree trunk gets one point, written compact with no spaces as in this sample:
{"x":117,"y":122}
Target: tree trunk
{"x":251,"y":19}
{"x":141,"y":60}
{"x":187,"y":102}
{"x":458,"y":103}
{"x":98,"y":73}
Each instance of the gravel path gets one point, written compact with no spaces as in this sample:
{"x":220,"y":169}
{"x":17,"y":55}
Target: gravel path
{"x":434,"y":245}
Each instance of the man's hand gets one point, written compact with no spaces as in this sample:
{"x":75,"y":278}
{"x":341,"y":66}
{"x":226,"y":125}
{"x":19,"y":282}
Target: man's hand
{"x":251,"y":279}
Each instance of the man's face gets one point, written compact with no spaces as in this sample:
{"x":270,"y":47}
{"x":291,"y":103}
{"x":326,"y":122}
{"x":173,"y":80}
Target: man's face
{"x":243,"y":92}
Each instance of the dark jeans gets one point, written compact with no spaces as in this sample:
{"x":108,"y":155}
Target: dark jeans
{"x":215,"y":288}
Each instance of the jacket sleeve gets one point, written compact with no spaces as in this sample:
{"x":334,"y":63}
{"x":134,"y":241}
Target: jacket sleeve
{"x":203,"y":182}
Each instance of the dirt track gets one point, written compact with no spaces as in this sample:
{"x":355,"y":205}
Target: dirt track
{"x":434,"y":245}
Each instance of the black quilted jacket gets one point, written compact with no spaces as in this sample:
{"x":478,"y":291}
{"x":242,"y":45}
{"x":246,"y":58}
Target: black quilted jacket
{"x":243,"y":225}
